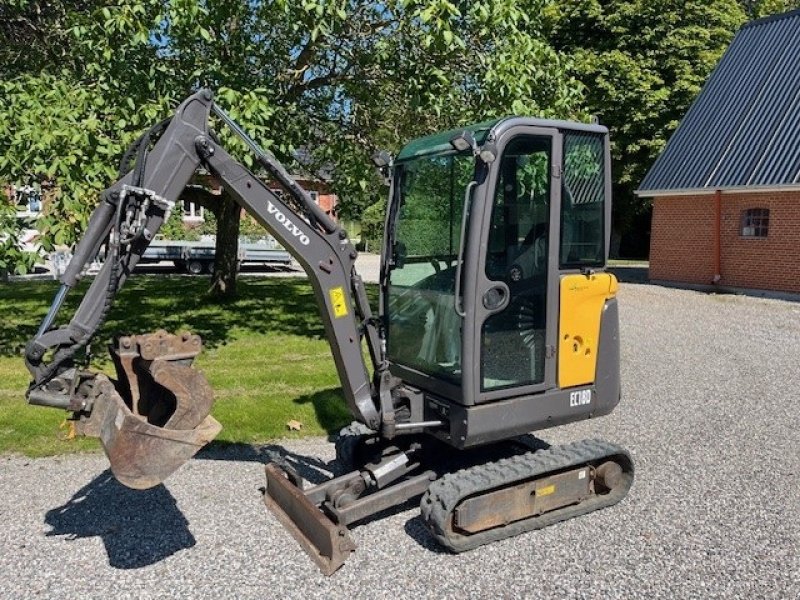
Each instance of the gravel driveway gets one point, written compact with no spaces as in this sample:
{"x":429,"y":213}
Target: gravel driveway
{"x":710,"y":413}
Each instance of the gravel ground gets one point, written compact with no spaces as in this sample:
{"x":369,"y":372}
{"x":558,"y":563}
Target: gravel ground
{"x":709,"y":413}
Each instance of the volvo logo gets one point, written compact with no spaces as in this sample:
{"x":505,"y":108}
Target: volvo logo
{"x":287,"y":224}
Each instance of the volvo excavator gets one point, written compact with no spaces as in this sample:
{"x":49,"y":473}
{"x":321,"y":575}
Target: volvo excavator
{"x":496,"y":319}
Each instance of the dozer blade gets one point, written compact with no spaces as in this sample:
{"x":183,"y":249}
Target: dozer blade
{"x":327,"y":543}
{"x":156,"y":416}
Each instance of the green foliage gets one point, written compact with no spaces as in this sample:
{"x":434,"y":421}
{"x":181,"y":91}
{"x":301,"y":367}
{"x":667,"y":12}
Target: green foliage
{"x":432,"y":190}
{"x":761,"y":8}
{"x":67,"y":132}
{"x":176,"y":229}
{"x":209,"y":224}
{"x":342,"y":78}
{"x":372,"y":221}
{"x":13,"y":259}
{"x":251,"y":229}
{"x":642,"y":64}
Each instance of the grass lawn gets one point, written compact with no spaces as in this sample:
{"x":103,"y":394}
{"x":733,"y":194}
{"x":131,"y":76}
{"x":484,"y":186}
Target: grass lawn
{"x":265,"y":356}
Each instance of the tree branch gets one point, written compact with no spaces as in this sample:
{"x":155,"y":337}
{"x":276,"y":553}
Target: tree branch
{"x":303,"y":59}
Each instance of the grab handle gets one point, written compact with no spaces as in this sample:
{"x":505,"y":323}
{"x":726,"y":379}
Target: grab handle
{"x":465,"y":215}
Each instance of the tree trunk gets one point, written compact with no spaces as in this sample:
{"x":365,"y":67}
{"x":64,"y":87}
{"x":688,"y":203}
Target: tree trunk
{"x":226,"y":256}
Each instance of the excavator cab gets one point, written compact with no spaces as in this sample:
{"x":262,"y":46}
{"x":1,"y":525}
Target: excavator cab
{"x":495,"y":233}
{"x":496,"y":319}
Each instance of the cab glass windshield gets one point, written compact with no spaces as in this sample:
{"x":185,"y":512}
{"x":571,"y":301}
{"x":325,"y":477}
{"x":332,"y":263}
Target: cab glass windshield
{"x":423,"y":327}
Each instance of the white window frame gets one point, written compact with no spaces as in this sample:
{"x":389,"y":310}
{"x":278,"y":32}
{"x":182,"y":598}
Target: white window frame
{"x":193,"y":213}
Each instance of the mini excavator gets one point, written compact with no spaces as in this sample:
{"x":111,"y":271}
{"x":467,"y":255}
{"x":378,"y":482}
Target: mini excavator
{"x":496,"y":319}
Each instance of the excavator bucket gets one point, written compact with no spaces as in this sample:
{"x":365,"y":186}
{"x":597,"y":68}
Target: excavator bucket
{"x":155,"y":416}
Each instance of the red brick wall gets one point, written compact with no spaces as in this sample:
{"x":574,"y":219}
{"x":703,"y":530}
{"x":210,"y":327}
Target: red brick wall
{"x":682,"y":241}
{"x":327,"y":202}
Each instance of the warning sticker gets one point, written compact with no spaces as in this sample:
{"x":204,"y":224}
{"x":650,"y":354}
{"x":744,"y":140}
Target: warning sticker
{"x":338,"y":302}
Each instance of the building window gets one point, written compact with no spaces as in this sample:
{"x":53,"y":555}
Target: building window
{"x":755,"y":222}
{"x":314,"y":197}
{"x":193,"y":212}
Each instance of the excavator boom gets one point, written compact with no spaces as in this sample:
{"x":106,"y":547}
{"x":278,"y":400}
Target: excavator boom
{"x":154,"y":381}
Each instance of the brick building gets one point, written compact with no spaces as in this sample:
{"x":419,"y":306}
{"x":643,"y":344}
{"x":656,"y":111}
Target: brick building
{"x":726,"y":189}
{"x":317,"y":188}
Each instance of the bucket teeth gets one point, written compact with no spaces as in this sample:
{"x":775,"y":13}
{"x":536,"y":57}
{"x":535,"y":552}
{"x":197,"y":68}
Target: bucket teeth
{"x":156,"y":416}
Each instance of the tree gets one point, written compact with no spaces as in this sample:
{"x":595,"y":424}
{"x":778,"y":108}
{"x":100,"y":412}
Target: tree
{"x":336,"y":78}
{"x":755,"y":9}
{"x":34,"y":34}
{"x":642,"y":63}
{"x":13,"y":257}
{"x":226,"y":257}
{"x":372,"y":222}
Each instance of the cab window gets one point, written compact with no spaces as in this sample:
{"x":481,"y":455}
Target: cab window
{"x":513,"y":340}
{"x":583,"y":202}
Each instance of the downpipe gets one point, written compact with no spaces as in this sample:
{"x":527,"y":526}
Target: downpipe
{"x":717,"y":238}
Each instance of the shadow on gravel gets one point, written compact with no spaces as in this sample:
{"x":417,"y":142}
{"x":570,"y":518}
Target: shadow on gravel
{"x":138,"y":527}
{"x":416,"y":530}
{"x":310,"y":468}
{"x":632,"y":274}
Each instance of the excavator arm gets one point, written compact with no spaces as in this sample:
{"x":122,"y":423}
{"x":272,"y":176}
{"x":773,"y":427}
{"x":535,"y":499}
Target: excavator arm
{"x":323,"y":249}
{"x":129,"y":215}
{"x":157,"y":398}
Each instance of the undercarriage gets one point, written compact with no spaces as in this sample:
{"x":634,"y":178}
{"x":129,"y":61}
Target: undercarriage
{"x":468,"y":499}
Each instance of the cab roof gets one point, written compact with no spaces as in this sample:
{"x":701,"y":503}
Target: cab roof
{"x":440,"y":142}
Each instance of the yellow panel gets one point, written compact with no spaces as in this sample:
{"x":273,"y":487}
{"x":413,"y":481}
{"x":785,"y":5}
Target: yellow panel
{"x":581,"y":309}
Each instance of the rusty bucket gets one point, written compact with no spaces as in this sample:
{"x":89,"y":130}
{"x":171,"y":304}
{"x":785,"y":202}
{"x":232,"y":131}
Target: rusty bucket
{"x":155,"y":416}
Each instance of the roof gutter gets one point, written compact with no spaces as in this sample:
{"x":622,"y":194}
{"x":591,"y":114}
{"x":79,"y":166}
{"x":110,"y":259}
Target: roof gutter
{"x":728,"y":190}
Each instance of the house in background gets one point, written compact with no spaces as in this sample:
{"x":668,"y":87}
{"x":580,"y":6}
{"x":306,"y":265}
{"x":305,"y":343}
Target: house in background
{"x":726,"y":189}
{"x":318,"y":189}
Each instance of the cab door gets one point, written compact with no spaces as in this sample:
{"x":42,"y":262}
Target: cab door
{"x":516,"y":280}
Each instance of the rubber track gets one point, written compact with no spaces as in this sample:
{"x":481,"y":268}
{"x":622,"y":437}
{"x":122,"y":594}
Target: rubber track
{"x":444,"y":495}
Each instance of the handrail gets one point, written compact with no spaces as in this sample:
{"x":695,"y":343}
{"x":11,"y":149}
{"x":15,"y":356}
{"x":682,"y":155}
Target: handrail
{"x":467,"y":202}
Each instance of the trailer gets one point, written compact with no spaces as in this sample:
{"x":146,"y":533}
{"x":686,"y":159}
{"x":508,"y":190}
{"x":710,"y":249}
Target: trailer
{"x":197,"y":257}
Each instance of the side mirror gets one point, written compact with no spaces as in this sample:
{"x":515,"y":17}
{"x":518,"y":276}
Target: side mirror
{"x":382,"y":159}
{"x":463,"y":141}
{"x":383,"y":162}
{"x":488,"y":152}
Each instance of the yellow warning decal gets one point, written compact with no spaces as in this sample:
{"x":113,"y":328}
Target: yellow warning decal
{"x":338,"y":302}
{"x":546,"y":490}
